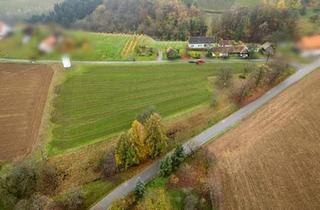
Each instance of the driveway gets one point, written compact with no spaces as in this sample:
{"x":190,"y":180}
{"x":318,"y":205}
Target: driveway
{"x":206,"y":136}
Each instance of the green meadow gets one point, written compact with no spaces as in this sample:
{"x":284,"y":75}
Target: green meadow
{"x":96,"y":102}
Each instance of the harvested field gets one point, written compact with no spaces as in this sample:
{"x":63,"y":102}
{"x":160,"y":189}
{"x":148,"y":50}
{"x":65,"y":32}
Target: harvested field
{"x":23,"y":94}
{"x":271,"y":160}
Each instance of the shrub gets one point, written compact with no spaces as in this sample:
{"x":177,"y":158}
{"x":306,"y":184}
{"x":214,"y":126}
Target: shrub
{"x":224,"y":78}
{"x":107,"y":164}
{"x":214,"y":101}
{"x":74,"y":200}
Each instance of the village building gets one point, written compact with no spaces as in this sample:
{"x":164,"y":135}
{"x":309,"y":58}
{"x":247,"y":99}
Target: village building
{"x":309,"y":46}
{"x":201,"y":43}
{"x":27,"y":34}
{"x":48,"y":44}
{"x":5,"y":30}
{"x":267,"y":48}
{"x":237,"y":50}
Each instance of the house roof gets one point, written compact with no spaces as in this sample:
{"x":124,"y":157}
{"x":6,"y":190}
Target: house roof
{"x":226,"y":42}
{"x":230,"y":50}
{"x":50,"y":41}
{"x":201,"y":40}
{"x":266,"y":45}
{"x":309,"y":43}
{"x":2,"y":26}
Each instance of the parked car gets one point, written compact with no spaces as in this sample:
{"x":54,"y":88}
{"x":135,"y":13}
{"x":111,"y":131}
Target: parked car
{"x":200,"y":61}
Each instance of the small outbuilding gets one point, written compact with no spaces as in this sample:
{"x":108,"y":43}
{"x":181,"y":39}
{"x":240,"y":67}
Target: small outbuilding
{"x":267,"y":48}
{"x":48,"y":44}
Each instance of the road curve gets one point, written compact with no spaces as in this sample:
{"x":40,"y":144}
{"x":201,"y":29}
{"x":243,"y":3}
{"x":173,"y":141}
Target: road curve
{"x":204,"y":137}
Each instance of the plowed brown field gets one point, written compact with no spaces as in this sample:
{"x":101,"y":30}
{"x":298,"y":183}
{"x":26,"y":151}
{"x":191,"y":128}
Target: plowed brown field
{"x":23,"y":94}
{"x":272,"y":159}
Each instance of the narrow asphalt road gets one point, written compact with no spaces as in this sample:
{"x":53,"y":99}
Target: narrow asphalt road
{"x":25,"y":61}
{"x":204,"y":137}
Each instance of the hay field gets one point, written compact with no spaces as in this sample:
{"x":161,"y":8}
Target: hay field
{"x":271,"y":160}
{"x":96,"y":102}
{"x":23,"y":94}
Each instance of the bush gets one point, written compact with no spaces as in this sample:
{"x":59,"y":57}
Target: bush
{"x":74,"y":200}
{"x":214,"y":101}
{"x":172,"y":54}
{"x":107,"y":165}
{"x":224,"y":78}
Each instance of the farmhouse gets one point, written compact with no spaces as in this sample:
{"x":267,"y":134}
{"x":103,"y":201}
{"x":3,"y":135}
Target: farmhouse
{"x":5,"y":30}
{"x":48,"y":44}
{"x":230,"y":50}
{"x":201,"y":42}
{"x":309,"y":46}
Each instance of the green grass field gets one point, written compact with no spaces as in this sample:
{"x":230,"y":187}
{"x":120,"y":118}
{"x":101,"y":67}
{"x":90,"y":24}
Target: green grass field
{"x":24,"y":8}
{"x":88,"y":46}
{"x":217,"y":5}
{"x":96,"y":102}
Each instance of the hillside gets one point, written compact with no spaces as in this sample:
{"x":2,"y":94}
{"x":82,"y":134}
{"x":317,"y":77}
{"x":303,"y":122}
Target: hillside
{"x":12,"y":9}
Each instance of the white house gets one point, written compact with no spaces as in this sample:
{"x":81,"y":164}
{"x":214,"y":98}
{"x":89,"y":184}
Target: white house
{"x":201,"y":42}
{"x":5,"y":30}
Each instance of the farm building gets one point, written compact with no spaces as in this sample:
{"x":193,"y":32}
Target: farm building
{"x":226,"y":51}
{"x":5,"y":30}
{"x":267,"y":48}
{"x":201,"y":42}
{"x":309,"y":46}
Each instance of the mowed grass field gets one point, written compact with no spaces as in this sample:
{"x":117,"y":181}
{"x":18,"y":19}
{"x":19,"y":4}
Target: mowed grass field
{"x":96,"y":102}
{"x":23,"y":94}
{"x":271,"y":160}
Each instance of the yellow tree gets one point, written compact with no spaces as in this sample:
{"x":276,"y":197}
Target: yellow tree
{"x":281,"y":4}
{"x":138,"y":135}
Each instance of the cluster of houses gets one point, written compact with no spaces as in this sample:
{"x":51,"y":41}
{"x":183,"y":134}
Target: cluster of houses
{"x":47,"y":45}
{"x":218,"y":48}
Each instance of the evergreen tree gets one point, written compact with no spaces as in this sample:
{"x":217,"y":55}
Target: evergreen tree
{"x":139,"y":189}
{"x":156,"y":139}
{"x":166,"y":167}
{"x":177,"y":157}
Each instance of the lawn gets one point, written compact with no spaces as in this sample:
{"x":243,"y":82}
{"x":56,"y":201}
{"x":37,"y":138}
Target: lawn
{"x":96,"y":102}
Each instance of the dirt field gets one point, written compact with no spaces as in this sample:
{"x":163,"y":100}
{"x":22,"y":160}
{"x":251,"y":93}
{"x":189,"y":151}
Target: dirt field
{"x":23,"y":94}
{"x":272,"y":159}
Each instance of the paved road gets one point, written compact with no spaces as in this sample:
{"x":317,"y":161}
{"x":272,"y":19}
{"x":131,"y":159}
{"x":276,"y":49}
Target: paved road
{"x":204,"y":137}
{"x":5,"y":60}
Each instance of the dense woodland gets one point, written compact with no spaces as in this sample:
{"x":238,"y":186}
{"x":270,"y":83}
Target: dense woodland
{"x":179,"y":19}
